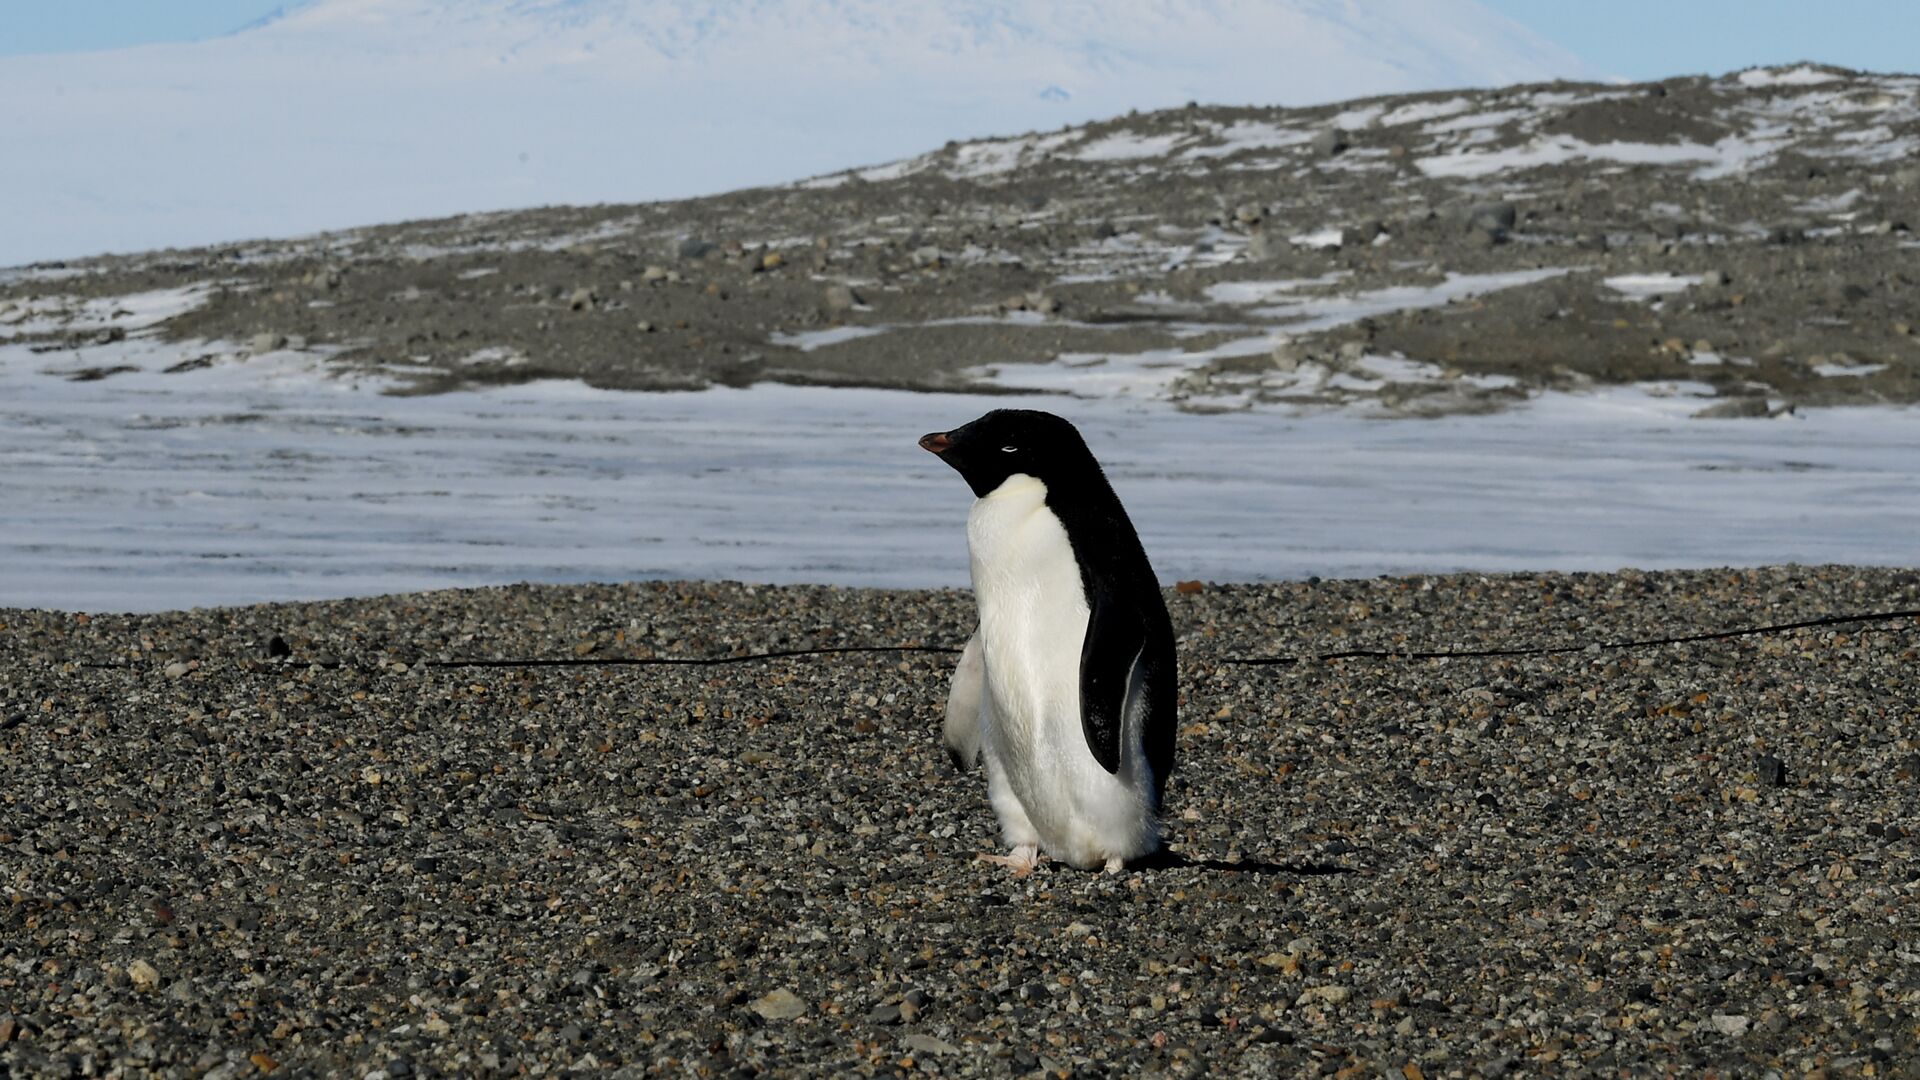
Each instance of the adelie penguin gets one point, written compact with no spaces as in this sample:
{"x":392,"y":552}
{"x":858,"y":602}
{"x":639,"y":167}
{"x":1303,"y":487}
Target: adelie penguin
{"x":1067,"y":690}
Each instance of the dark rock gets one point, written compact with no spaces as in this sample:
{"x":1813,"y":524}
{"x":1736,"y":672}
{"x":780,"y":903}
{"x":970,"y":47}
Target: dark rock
{"x":1772,"y":771}
{"x":1497,"y":216}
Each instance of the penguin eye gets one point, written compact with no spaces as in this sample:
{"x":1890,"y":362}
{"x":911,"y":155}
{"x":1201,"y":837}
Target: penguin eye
{"x":1009,"y":449}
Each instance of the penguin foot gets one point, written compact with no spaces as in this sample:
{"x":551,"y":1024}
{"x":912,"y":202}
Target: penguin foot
{"x":1116,"y":864}
{"x":1022,"y":859}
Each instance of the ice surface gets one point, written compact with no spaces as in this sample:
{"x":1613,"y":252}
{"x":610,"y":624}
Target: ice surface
{"x":261,"y":480}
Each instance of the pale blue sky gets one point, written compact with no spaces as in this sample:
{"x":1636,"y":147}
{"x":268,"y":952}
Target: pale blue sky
{"x":1639,"y":39}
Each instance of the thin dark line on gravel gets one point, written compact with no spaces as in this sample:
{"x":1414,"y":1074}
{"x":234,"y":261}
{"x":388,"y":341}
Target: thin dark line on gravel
{"x":1241,"y":661}
{"x":1557,"y":650}
{"x":1173,"y":860}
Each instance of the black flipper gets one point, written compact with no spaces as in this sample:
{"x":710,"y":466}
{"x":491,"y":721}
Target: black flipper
{"x":1112,"y":650}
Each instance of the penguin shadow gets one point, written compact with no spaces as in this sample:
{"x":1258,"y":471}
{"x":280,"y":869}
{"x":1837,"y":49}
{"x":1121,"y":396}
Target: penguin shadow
{"x":1173,"y":860}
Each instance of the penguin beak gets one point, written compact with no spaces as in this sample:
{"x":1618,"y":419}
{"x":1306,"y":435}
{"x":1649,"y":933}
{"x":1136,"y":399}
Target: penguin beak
{"x":937,"y":443}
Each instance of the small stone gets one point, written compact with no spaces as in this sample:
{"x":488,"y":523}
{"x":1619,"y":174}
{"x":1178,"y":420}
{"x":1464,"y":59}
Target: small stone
{"x":266,"y":342}
{"x":1495,"y":217}
{"x":772,"y":260}
{"x":581,"y":300}
{"x":1730,"y":1026}
{"x":922,"y":1043}
{"x":277,"y":647}
{"x":644,"y":326}
{"x":653,"y":273}
{"x":1325,"y":995}
{"x":884,"y":1014}
{"x":1329,"y":142}
{"x":839,"y":299}
{"x":142,"y":975}
{"x":175,"y":670}
{"x":263,"y":1061}
{"x":780,"y":1005}
{"x":691,"y":248}
{"x":1773,"y":771}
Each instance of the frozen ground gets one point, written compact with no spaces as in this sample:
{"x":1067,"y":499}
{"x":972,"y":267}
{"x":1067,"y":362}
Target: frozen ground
{"x":261,"y":479}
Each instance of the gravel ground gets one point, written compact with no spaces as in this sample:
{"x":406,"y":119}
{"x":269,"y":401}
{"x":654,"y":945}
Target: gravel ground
{"x":1682,"y":858}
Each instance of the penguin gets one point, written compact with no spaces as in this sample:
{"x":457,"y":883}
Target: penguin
{"x":1067,"y":690}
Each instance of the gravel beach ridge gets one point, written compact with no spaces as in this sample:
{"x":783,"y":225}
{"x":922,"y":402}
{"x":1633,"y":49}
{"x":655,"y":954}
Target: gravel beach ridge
{"x":222,"y":858}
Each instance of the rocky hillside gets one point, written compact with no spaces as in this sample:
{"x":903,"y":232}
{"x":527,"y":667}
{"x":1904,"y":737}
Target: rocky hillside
{"x":1744,"y":239}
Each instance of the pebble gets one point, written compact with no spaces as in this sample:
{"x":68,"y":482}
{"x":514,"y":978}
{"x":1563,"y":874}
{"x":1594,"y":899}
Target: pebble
{"x":840,"y":299}
{"x":780,"y":1005}
{"x":1731,"y":1026}
{"x":142,"y":975}
{"x":922,"y":1043}
{"x":1772,"y":771}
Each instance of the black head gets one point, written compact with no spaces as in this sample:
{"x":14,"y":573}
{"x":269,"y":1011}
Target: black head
{"x":1009,"y":441}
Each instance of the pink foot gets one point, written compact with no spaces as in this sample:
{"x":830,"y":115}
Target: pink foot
{"x":1022,"y":859}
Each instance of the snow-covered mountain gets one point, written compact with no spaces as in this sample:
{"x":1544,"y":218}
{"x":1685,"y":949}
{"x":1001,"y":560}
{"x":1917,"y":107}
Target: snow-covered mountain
{"x":345,"y":112}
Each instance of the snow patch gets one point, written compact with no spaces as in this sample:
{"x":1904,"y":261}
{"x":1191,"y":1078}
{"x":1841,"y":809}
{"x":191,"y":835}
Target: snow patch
{"x":1646,"y":286}
{"x":1804,"y":75}
{"x":1128,"y":146}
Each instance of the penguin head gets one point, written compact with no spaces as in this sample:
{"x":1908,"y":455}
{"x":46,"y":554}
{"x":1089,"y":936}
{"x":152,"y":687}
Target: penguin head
{"x":1013,"y":442}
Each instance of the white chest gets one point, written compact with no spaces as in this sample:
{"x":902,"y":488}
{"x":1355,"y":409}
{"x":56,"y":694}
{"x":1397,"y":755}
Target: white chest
{"x":1033,"y":607}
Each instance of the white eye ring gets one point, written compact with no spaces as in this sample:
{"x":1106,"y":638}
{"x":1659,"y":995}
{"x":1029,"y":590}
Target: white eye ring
{"x":1009,"y":449}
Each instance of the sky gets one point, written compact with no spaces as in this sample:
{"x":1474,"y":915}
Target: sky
{"x":1635,"y":39}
